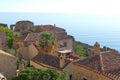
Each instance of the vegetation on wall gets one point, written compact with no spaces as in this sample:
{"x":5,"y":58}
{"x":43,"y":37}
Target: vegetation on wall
{"x":10,"y":50}
{"x":10,"y":36}
{"x":78,"y":49}
{"x":30,"y":73}
{"x":47,"y":42}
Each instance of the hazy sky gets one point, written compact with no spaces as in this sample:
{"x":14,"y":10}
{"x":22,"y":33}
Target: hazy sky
{"x":61,"y":6}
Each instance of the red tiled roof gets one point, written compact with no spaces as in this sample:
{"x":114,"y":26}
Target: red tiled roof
{"x":49,"y":60}
{"x":29,"y":37}
{"x":49,"y":27}
{"x":114,"y":73}
{"x":62,"y":36}
{"x":32,"y":37}
{"x":103,"y":62}
{"x":91,"y":62}
{"x":111,"y":61}
{"x":21,"y":39}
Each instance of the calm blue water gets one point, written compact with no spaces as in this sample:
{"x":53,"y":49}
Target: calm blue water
{"x":87,"y":28}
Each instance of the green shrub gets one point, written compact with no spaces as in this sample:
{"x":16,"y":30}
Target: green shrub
{"x":78,"y":49}
{"x":9,"y":50}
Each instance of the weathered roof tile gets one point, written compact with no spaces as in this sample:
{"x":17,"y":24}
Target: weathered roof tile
{"x":108,"y":62}
{"x":49,"y":60}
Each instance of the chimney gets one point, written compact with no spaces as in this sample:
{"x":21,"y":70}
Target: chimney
{"x":61,"y":58}
{"x":96,"y":48}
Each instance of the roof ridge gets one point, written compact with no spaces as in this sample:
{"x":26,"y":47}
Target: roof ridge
{"x":26,"y":37}
{"x":94,"y":70}
{"x":101,"y":62}
{"x":6,"y":53}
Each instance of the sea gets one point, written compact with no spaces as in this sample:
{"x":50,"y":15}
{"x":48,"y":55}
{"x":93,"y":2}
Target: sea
{"x":86,"y":28}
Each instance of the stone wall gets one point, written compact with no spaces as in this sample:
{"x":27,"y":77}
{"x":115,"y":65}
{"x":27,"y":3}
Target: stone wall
{"x":31,"y":51}
{"x":23,"y":26}
{"x":28,"y":52}
{"x":68,"y":43}
{"x":3,"y":43}
{"x":7,"y":64}
{"x":82,"y":73}
{"x":68,"y":68}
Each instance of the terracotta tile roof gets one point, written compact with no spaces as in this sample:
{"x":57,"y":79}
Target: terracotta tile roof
{"x":114,"y":73}
{"x":108,"y":62}
{"x":29,"y":37}
{"x":53,"y":28}
{"x":62,"y":36}
{"x":49,"y":60}
{"x":49,"y":28}
{"x":32,"y":37}
{"x":91,"y":62}
{"x":21,"y":39}
{"x":111,"y":61}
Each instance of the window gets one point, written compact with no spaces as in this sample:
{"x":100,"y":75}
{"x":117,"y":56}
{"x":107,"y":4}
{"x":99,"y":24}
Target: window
{"x":84,"y":79}
{"x":70,"y":76}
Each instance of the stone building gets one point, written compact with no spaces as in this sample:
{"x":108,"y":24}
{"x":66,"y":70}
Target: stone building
{"x":7,"y":65}
{"x":45,"y":61}
{"x":3,"y":43}
{"x":61,"y":36}
{"x":64,"y":41}
{"x":50,"y":28}
{"x":100,"y":66}
{"x":26,"y":45}
{"x":24,"y":26}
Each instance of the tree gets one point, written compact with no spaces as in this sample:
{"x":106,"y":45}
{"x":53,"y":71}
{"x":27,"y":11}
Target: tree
{"x":45,"y":75}
{"x":53,"y":74}
{"x":47,"y":42}
{"x":20,"y":63}
{"x":30,"y":73}
{"x":78,"y":49}
{"x":10,"y":36}
{"x":63,"y":75}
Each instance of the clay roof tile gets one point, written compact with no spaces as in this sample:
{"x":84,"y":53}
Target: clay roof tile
{"x":110,"y":62}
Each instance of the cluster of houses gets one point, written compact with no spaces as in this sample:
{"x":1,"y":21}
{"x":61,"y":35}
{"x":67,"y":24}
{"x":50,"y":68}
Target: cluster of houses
{"x":99,"y":65}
